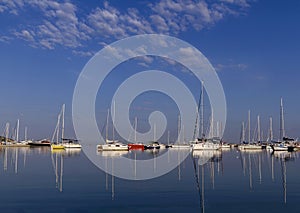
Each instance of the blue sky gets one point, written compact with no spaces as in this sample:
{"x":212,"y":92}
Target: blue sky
{"x":253,"y":45}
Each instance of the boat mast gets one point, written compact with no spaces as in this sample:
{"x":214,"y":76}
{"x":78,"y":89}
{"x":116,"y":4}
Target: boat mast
{"x":249,"y":136}
{"x":258,"y":130}
{"x":243,"y":132}
{"x":271,"y":129}
{"x":63,"y":122}
{"x":154,"y":135}
{"x":202,"y":110}
{"x":196,"y":129}
{"x":25,"y":133}
{"x":106,"y":133}
{"x":282,"y":131}
{"x":57,"y":128}
{"x":113,"y":119}
{"x":211,"y":131}
{"x":178,"y":130}
{"x":135,"y":126}
{"x":17,"y":131}
{"x":218,"y":130}
{"x":6,"y":132}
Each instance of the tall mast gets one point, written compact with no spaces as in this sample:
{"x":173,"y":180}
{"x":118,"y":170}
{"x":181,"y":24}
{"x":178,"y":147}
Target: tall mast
{"x":211,"y":132}
{"x":25,"y":136}
{"x":17,"y":131}
{"x":57,"y":128}
{"x":196,"y":129}
{"x":178,"y":129}
{"x":282,"y":131}
{"x":106,"y":133}
{"x":243,"y":131}
{"x":218,"y":130}
{"x":154,"y":135}
{"x":202,"y":110}
{"x":6,"y":132}
{"x":249,"y":134}
{"x":271,"y":129}
{"x":135,"y":126}
{"x":63,"y":122}
{"x":258,"y":129}
{"x":113,"y":119}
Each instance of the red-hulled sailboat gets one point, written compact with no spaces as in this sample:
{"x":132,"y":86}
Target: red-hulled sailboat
{"x":135,"y":145}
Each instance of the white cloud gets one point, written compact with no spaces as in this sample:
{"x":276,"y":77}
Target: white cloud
{"x":61,"y":24}
{"x":26,"y":35}
{"x":231,"y":66}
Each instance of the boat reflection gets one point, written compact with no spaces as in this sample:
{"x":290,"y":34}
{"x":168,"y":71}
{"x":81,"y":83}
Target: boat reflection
{"x":200,"y":159}
{"x":111,"y":155}
{"x":284,"y":157}
{"x":57,"y":159}
{"x":13,"y":155}
{"x":253,"y":162}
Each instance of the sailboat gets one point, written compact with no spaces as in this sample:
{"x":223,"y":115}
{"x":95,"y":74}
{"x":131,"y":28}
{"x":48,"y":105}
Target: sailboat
{"x":57,"y":144}
{"x":283,"y":143}
{"x":26,"y":141}
{"x":211,"y":143}
{"x":111,"y":145}
{"x":71,"y":143}
{"x":136,"y":145}
{"x":179,"y":145}
{"x":250,"y":145}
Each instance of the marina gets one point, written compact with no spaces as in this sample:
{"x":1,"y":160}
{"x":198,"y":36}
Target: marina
{"x":164,"y":106}
{"x":207,"y":181}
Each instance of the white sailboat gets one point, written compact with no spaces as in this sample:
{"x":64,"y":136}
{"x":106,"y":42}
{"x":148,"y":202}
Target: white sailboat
{"x":281,"y":144}
{"x":250,"y":145}
{"x":179,"y":145}
{"x":211,"y":143}
{"x":58,"y":144}
{"x":71,"y":143}
{"x":111,"y":145}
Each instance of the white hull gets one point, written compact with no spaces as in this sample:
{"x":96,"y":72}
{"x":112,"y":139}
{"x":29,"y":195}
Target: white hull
{"x":181,"y":146}
{"x":72,"y":146}
{"x":280,"y":148}
{"x":112,"y":147}
{"x":225,"y":146}
{"x":206,"y":146}
{"x":250,"y":147}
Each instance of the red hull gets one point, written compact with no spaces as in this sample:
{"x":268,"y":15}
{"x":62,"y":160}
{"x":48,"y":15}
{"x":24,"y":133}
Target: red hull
{"x":136,"y":146}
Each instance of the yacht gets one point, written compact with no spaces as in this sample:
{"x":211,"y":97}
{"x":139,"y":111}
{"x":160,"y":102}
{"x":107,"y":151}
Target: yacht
{"x":71,"y":143}
{"x":113,"y":146}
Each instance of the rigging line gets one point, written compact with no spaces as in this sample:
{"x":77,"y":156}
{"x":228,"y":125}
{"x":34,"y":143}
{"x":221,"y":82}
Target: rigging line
{"x":197,"y":181}
{"x":197,"y":116}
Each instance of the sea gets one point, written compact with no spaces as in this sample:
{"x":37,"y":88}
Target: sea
{"x":40,"y":180}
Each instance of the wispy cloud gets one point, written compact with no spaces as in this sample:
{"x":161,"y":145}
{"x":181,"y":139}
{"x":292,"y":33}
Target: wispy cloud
{"x":231,"y":66}
{"x":61,"y":24}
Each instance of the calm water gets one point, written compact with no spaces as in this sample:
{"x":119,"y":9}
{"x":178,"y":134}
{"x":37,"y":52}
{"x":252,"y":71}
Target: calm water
{"x":36,"y":180}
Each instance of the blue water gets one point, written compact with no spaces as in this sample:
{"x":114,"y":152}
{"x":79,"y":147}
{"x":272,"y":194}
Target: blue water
{"x":37,"y":180}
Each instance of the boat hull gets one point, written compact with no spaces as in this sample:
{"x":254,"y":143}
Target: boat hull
{"x":72,"y":146}
{"x":57,"y":146}
{"x":250,"y":147}
{"x":112,"y":147}
{"x":136,"y":146}
{"x":206,"y":146}
{"x":181,"y":146}
{"x":39,"y":144}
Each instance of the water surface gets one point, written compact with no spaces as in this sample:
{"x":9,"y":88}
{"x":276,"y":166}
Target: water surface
{"x":38,"y":180}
